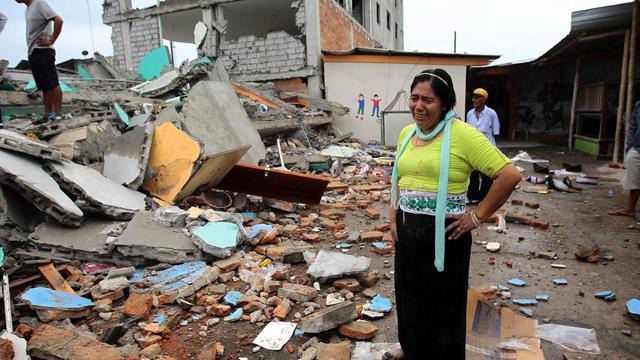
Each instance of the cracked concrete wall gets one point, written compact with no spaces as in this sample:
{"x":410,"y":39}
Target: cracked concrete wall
{"x":275,"y":55}
{"x":132,"y":39}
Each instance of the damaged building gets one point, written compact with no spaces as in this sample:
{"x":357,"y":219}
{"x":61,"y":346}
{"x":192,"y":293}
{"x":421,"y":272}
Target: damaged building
{"x":279,"y":41}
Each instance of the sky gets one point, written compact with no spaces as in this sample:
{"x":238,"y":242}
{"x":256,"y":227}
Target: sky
{"x":516,"y":30}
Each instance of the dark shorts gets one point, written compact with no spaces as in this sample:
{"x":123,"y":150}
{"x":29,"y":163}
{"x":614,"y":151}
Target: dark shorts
{"x":43,"y":68}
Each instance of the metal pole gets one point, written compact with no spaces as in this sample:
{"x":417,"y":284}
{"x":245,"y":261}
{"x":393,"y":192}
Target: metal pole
{"x":382,"y":129}
{"x":632,"y":67}
{"x":576,"y":80}
{"x":455,"y":41}
{"x":93,"y":44}
{"x":6,"y":294}
{"x":621,"y":99}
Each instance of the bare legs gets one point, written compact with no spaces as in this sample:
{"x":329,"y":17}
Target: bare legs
{"x":630,"y":209}
{"x":53,"y":101}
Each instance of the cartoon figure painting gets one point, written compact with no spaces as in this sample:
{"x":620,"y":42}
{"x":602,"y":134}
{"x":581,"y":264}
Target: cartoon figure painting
{"x":360,"y":113}
{"x":376,"y":105}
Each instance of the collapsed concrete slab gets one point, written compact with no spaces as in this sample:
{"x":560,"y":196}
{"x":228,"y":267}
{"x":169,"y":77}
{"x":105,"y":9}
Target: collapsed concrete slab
{"x":330,"y":264}
{"x":213,"y":115}
{"x":86,"y":144}
{"x":181,"y":280}
{"x":26,"y":175}
{"x":97,"y":193}
{"x":125,"y":162}
{"x":17,"y":142}
{"x":145,"y":238}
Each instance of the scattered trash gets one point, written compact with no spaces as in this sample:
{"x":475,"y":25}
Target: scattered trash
{"x":560,"y":281}
{"x":275,"y":335}
{"x":633,"y":308}
{"x":569,"y":338}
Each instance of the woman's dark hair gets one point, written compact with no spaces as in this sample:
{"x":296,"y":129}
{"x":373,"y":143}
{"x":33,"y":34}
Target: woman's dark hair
{"x":444,"y":90}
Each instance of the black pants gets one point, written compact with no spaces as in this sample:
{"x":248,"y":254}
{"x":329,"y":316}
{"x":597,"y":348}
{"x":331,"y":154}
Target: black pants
{"x":43,"y":68}
{"x":479,"y":185}
{"x":431,"y":305}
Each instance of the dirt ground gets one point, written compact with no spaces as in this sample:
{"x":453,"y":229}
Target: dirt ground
{"x":578,"y":220}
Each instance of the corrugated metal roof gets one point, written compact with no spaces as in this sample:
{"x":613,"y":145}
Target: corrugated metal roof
{"x":372,"y":51}
{"x":590,"y":22}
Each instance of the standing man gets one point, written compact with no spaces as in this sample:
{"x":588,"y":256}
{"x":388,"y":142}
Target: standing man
{"x":632,"y":164}
{"x":486,"y":120}
{"x":42,"y":55}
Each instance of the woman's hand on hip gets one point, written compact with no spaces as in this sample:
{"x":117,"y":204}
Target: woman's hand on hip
{"x":463,"y":224}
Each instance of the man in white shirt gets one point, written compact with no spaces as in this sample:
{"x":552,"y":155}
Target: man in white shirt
{"x":42,"y":56}
{"x":486,"y":121}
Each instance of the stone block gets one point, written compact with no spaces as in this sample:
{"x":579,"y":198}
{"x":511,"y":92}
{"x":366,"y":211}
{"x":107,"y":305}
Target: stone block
{"x":329,"y":318}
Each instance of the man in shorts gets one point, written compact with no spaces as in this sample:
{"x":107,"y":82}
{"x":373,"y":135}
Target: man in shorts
{"x":632,"y":164}
{"x":42,"y":55}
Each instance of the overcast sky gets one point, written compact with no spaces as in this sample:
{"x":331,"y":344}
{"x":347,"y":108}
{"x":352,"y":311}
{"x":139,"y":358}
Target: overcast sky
{"x":517,"y":30}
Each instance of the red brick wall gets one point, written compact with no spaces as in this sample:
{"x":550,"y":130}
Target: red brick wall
{"x":338,"y":30}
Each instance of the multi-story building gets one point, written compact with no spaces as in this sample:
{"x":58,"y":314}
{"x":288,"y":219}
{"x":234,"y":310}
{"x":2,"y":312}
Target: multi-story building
{"x":258,"y":40}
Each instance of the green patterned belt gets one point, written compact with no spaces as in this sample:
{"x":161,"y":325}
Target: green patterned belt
{"x":424,"y":202}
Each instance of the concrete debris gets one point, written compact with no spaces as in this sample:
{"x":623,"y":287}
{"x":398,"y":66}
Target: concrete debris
{"x":125,"y":162}
{"x":20,"y":143}
{"x":218,"y":238}
{"x":96,"y":193}
{"x":329,"y":318}
{"x":49,"y":342}
{"x":170,"y":216}
{"x":145,"y":238}
{"x":86,"y":144}
{"x":26,"y":175}
{"x":214,"y":116}
{"x":330,"y":265}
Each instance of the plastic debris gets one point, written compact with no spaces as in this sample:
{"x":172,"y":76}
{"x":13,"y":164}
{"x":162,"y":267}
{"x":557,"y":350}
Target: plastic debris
{"x":517,"y":282}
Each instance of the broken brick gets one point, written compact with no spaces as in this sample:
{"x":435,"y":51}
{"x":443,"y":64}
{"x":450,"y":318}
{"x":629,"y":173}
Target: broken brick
{"x":219,"y":309}
{"x":340,"y":235}
{"x":6,"y":350}
{"x":282,"y":310}
{"x":359,"y":330}
{"x":228,"y":264}
{"x":517,"y":202}
{"x":372,"y":213}
{"x":349,"y":284}
{"x":311,"y":237}
{"x":371,"y":236}
{"x":50,"y":342}
{"x":540,"y":224}
{"x":532,"y":205}
{"x":297,"y":292}
{"x":383,"y":227}
{"x":138,"y":305}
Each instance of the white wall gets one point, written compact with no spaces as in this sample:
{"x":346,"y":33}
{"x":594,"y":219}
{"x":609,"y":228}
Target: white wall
{"x":344,"y":81}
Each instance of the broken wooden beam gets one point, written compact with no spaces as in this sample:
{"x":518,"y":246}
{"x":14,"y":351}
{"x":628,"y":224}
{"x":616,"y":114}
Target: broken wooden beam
{"x":276,"y":184}
{"x":54,"y":278}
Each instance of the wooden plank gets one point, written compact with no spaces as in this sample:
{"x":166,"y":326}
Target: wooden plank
{"x":370,"y":187}
{"x":54,"y":278}
{"x":253,"y":96}
{"x":276,"y":184}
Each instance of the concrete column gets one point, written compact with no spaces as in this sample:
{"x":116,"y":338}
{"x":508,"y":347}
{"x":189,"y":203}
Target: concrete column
{"x":314,"y":46}
{"x":124,"y":6}
{"x":126,"y":38}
